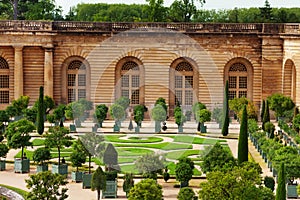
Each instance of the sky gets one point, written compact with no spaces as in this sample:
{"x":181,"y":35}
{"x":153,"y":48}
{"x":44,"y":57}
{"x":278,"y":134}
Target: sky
{"x":210,"y":4}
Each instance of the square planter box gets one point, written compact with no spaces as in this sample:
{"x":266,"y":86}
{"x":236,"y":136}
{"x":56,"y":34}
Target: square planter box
{"x":22,"y":166}
{"x":86,"y":180}
{"x":180,"y":129}
{"x":111,"y":189}
{"x":76,"y":176}
{"x":291,"y":191}
{"x":60,"y":169}
{"x":72,"y":128}
{"x":41,"y":168}
{"x":2,"y":165}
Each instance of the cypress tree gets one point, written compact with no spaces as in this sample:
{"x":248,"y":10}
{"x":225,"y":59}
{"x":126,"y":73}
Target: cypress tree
{"x":281,"y":190}
{"x":40,"y":112}
{"x":266,"y":117}
{"x":263,"y":105}
{"x":226,"y":111}
{"x":243,"y":138}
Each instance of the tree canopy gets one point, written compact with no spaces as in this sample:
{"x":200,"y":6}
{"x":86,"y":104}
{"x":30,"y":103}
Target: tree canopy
{"x":146,"y":189}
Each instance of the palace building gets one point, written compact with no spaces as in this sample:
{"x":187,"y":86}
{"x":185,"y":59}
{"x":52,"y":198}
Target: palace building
{"x":181,"y":62}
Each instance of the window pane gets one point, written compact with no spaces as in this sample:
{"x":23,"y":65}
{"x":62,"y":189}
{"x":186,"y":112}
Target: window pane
{"x":125,"y":93}
{"x":178,"y":97}
{"x":4,"y":81}
{"x":81,"y":94}
{"x":178,"y":81}
{"x":189,"y":82}
{"x":232,"y":81}
{"x":242,"y":94}
{"x":135,"y":81}
{"x":125,"y":81}
{"x":71,"y":79}
{"x":188,"y":98}
{"x":135,"y":97}
{"x":81,"y":80}
{"x":243,"y":82}
{"x":4,"y":97}
{"x":231,"y":94}
{"x":71,"y":95}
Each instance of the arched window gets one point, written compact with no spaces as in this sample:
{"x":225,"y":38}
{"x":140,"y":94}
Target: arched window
{"x":184,"y":84}
{"x":76,"y":81}
{"x":4,"y":81}
{"x":289,"y":79}
{"x":238,"y":81}
{"x":130,"y":81}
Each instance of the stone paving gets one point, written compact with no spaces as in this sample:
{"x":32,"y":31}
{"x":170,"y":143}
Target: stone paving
{"x":75,"y":190}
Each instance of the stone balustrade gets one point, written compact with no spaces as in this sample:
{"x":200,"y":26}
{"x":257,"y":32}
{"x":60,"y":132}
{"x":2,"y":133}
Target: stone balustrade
{"x":71,"y":26}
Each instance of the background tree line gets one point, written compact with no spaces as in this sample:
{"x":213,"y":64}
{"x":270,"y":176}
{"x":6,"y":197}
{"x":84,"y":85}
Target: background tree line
{"x":153,"y":11}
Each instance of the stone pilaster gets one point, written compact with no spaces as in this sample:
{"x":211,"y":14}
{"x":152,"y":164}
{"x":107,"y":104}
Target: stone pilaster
{"x":48,"y":72}
{"x":18,"y":72}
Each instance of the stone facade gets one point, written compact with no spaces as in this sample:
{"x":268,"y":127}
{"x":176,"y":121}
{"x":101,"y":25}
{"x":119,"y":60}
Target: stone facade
{"x":185,"y":62}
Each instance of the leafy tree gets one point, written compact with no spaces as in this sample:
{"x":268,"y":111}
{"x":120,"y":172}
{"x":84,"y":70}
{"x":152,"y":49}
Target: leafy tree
{"x":57,"y":137}
{"x":3,"y":150}
{"x":225,"y":121}
{"x":266,"y":117}
{"x":17,"y":106}
{"x":59,"y":113}
{"x":128,"y":183}
{"x":78,"y":156}
{"x":202,"y":116}
{"x":40,"y":112}
{"x":158,"y":114}
{"x":100,"y":113}
{"x":45,"y":185}
{"x":146,"y":189}
{"x":93,"y":145}
{"x":243,"y":138}
{"x":150,"y":164}
{"x":186,"y":193}
{"x":117,"y":112}
{"x":296,"y":122}
{"x":161,"y":101}
{"x":280,"y":103}
{"x":30,"y":114}
{"x":281,"y":187}
{"x":110,"y":157}
{"x":217,"y":115}
{"x":182,"y":10}
{"x":4,"y":117}
{"x":74,"y":111}
{"x":179,"y":116}
{"x":252,"y":126}
{"x":98,"y":181}
{"x":138,"y":113}
{"x":18,"y":134}
{"x":270,"y":128}
{"x":123,"y":101}
{"x":217,"y":158}
{"x":184,"y":170}
{"x":41,"y":154}
{"x":238,"y":183}
{"x":266,"y":12}
{"x":269,"y":182}
{"x":156,"y":10}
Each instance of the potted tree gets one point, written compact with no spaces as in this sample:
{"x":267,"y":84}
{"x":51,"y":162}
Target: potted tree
{"x":57,"y":137}
{"x":179,"y":118}
{"x":100,"y":113}
{"x":184,"y":171}
{"x":77,"y":159}
{"x":217,"y":115}
{"x":74,"y":111}
{"x":158,"y":114}
{"x":93,"y":145}
{"x":3,"y":151}
{"x":118,"y":113}
{"x":98,"y":181}
{"x":41,"y":155}
{"x":59,"y":115}
{"x":138,"y":113}
{"x":18,"y":136}
{"x":202,"y":116}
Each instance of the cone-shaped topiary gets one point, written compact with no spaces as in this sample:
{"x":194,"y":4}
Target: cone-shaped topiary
{"x":243,"y":138}
{"x":40,"y":112}
{"x":110,"y":157}
{"x":263,"y":105}
{"x":281,"y":188}
{"x":226,"y":111}
{"x":266,"y":117}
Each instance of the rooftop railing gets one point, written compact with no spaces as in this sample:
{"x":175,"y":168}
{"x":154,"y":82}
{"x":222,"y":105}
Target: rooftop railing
{"x":71,"y":26}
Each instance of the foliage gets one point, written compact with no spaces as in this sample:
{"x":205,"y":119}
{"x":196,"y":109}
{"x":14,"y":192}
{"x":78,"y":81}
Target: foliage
{"x":4,"y":117}
{"x":101,"y":112}
{"x":74,"y":110}
{"x":18,"y":134}
{"x":203,"y":115}
{"x":225,"y":121}
{"x":184,"y":169}
{"x":93,"y":145}
{"x":49,"y":104}
{"x":98,"y":181}
{"x":150,"y":164}
{"x":30,"y":114}
{"x":252,"y":126}
{"x":296,"y":122}
{"x":179,"y":116}
{"x":123,"y":101}
{"x":45,"y":185}
{"x":266,"y":117}
{"x":280,"y":103}
{"x":243,"y":138}
{"x":158,"y":113}
{"x":77,"y":158}
{"x":117,"y":112}
{"x":217,"y":115}
{"x":128,"y":182}
{"x":186,"y":193}
{"x":156,"y":11}
{"x":51,"y":118}
{"x":262,"y":111}
{"x":238,"y":183}
{"x":270,"y":128}
{"x":237,"y":105}
{"x":41,"y":154}
{"x":281,"y":186}
{"x":40,"y":112}
{"x":161,"y":101}
{"x":146,"y":189}
{"x":58,"y":137}
{"x":59,"y":112}
{"x":217,"y":158}
{"x":138,"y":113}
{"x":17,"y":106}
{"x":87,"y":105}
{"x":269,"y":182}
{"x":110,"y":157}
{"x":3,"y":150}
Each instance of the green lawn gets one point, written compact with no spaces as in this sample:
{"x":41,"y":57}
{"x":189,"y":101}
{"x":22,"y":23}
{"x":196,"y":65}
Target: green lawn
{"x":194,"y":139}
{"x":163,"y":145}
{"x":118,"y":139}
{"x":175,"y":155}
{"x":132,"y":151}
{"x":38,"y":142}
{"x":171,"y":167}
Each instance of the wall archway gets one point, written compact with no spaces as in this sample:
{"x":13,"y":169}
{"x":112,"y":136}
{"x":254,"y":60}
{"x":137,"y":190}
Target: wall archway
{"x":4,"y":81}
{"x":289,"y":79}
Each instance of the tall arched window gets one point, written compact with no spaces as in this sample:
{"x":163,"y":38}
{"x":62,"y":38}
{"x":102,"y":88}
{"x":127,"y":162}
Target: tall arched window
{"x":238,"y":81}
{"x":130,"y":82}
{"x":184,"y":83}
{"x":77,"y":81}
{"x":4,"y":81}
